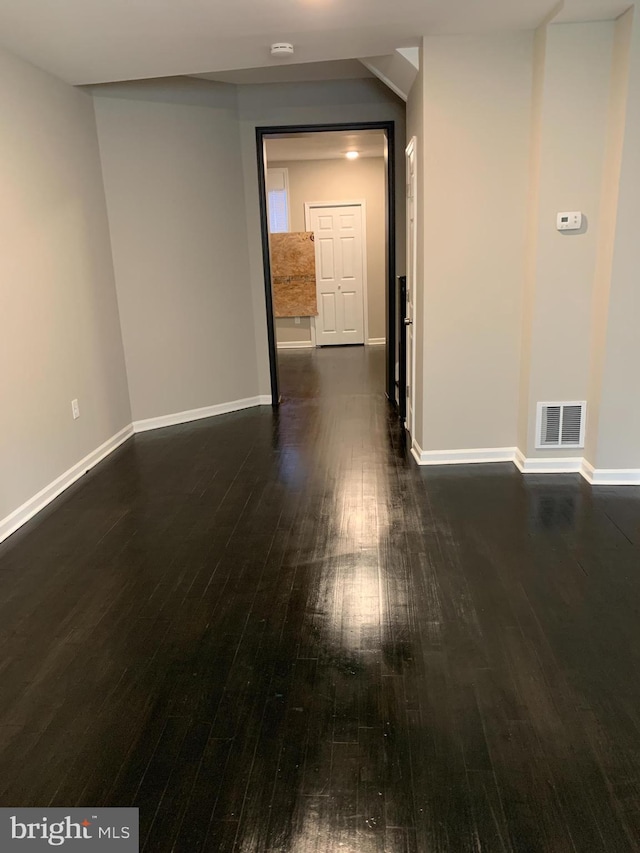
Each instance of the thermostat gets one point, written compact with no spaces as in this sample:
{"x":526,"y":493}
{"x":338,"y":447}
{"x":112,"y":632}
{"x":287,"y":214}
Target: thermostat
{"x":571,"y":221}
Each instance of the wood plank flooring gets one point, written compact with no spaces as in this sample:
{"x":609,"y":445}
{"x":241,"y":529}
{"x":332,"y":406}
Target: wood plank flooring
{"x":277,"y":633}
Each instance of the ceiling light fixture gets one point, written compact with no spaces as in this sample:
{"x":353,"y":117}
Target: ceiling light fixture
{"x":352,"y":155}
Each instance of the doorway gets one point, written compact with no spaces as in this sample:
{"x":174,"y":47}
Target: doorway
{"x":343,"y":313}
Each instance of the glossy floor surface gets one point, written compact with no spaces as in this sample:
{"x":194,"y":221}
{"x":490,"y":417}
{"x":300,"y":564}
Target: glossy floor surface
{"x":277,"y":633}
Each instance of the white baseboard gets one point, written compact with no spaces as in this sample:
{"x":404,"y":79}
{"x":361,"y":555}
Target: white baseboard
{"x":476,"y":456}
{"x":376,"y":342}
{"x":416,"y":450}
{"x":548,"y":464}
{"x":295,"y":344}
{"x":199,"y":414}
{"x":579,"y":465}
{"x":28,"y":509}
{"x":610,"y":476}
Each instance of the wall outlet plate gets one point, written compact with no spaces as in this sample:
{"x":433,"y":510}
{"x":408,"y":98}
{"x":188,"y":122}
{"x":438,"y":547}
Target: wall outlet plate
{"x":75,"y":409}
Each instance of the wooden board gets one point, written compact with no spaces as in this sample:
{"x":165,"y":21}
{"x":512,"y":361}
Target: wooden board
{"x":293,"y":273}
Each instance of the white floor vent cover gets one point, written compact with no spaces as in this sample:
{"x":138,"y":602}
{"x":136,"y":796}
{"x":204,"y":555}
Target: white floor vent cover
{"x":560,"y":425}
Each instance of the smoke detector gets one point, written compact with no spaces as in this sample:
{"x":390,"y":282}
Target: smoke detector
{"x":282,"y":48}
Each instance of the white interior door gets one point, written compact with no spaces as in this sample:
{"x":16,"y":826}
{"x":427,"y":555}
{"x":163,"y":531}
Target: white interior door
{"x":339,"y":244}
{"x":411,"y":283}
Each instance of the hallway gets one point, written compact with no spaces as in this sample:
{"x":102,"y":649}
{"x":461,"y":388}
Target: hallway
{"x":277,"y":633}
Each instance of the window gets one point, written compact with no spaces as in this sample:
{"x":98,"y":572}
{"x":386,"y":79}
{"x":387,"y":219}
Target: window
{"x":278,"y":200}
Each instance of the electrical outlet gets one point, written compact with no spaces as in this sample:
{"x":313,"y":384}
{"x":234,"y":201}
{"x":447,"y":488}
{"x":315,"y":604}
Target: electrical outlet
{"x":75,"y":408}
{"x":296,"y":320}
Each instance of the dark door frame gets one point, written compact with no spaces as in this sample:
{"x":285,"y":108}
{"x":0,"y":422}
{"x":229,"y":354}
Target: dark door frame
{"x":402,"y":347}
{"x":388,"y":127}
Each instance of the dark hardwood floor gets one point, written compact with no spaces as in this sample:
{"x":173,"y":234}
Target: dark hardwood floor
{"x":277,"y":633}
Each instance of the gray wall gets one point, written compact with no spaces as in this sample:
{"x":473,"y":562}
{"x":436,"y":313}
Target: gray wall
{"x":308,"y":103}
{"x":180,"y":171}
{"x":60,"y":335}
{"x":179,"y":326}
{"x":343,"y":180}
{"x":174,"y":186}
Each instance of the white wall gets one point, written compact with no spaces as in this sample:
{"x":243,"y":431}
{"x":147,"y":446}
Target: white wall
{"x":575,"y":100}
{"x":618,"y":439}
{"x":174,"y":186}
{"x":476,"y":93}
{"x":60,"y":335}
{"x":531,"y":241}
{"x":343,"y":180}
{"x":609,"y":200}
{"x":516,"y":128}
{"x":308,"y":103}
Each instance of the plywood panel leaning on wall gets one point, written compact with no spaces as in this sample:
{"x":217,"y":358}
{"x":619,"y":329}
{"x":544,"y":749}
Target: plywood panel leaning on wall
{"x":293,"y":274}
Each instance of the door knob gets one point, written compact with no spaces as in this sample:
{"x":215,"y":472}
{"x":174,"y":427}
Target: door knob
{"x":408,"y":321}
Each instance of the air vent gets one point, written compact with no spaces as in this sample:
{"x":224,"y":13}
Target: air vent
{"x":560,"y":425}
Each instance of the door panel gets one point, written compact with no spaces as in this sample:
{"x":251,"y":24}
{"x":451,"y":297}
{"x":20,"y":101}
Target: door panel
{"x":349,"y":311}
{"x":340,"y":273}
{"x":328,"y":313}
{"x":327,"y":265}
{"x":349,"y":262}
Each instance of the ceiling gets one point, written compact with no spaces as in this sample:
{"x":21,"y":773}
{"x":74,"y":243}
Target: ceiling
{"x":325,"y":146}
{"x":339,"y":69}
{"x":97,"y":41}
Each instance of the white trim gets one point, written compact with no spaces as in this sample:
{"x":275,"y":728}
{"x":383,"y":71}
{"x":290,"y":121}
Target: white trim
{"x":475,"y":456}
{"x":199,"y":414}
{"x":416,"y":450}
{"x":376,"y":342}
{"x":28,"y":509}
{"x":578,"y":465}
{"x":610,"y":476}
{"x":547,"y":464}
{"x":519,"y":460}
{"x":362,"y":203}
{"x":594,"y":476}
{"x":31,"y":507}
{"x":295,"y":344}
{"x":543,"y":465}
{"x":412,"y":267}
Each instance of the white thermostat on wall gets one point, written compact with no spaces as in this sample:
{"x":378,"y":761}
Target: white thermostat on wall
{"x":571,"y":221}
